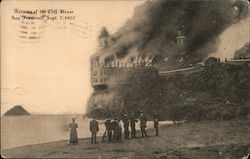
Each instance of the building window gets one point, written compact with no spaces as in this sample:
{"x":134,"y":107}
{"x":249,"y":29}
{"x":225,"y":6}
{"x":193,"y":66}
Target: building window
{"x":95,"y":72}
{"x":94,"y":80}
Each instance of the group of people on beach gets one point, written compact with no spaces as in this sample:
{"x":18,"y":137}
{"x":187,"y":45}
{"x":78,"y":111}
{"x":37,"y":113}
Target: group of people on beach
{"x":113,"y":132}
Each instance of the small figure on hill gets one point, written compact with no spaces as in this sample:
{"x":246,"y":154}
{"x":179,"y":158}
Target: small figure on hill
{"x":73,"y":132}
{"x":132,"y":125}
{"x":126,"y":126}
{"x":143,"y":124}
{"x":156,"y":123}
{"x":94,"y":128}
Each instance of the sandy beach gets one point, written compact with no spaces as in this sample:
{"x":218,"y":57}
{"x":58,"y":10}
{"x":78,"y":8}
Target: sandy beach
{"x":207,"y":140}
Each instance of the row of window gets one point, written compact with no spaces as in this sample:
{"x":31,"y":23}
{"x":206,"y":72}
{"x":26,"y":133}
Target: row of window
{"x":109,"y":72}
{"x":96,"y":80}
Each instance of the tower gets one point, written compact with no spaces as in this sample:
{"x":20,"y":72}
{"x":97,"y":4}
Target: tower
{"x":104,"y":38}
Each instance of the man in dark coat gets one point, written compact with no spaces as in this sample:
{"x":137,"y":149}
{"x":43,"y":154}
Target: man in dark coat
{"x":119,"y":132}
{"x":126,"y":125}
{"x":116,"y":130}
{"x":143,"y":124}
{"x":108,"y":129}
{"x":156,"y":123}
{"x":132,"y":125}
{"x":94,"y":128}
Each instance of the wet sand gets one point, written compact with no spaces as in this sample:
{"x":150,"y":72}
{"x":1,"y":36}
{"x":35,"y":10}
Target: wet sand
{"x":204,"y":140}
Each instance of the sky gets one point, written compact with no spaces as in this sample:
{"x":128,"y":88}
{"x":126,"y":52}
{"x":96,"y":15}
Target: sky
{"x":45,"y":64}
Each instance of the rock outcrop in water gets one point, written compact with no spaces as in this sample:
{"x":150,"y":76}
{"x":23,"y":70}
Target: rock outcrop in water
{"x":16,"y":111}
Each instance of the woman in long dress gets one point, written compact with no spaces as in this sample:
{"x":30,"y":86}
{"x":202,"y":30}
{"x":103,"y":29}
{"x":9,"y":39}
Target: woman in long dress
{"x":73,"y":133}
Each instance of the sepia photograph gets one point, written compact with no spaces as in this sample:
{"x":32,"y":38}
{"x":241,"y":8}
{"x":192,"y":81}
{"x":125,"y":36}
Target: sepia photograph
{"x":125,"y":79}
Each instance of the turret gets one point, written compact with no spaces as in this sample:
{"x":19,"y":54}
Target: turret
{"x":104,"y":38}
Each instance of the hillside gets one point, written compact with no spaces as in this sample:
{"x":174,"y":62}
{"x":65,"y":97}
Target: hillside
{"x":16,"y":110}
{"x":243,"y":52}
{"x":220,"y":91}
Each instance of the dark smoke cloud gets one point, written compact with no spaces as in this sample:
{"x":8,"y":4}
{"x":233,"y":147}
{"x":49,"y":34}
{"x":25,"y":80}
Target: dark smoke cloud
{"x":153,"y":29}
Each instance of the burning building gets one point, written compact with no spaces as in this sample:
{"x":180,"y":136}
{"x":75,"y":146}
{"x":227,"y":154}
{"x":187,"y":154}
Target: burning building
{"x":102,"y":71}
{"x":181,"y":33}
{"x":163,"y":35}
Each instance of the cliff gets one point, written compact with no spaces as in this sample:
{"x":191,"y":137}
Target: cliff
{"x":220,"y":91}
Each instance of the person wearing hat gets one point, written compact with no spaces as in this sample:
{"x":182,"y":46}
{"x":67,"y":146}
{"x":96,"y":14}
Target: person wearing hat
{"x":143,"y":124}
{"x":94,"y":128}
{"x":116,"y":130}
{"x":126,"y":126}
{"x":108,"y":126}
{"x":119,"y":131}
{"x":73,"y":133}
{"x":132,"y":125}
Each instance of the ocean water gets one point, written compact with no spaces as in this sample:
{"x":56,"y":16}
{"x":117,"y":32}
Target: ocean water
{"x":34,"y":129}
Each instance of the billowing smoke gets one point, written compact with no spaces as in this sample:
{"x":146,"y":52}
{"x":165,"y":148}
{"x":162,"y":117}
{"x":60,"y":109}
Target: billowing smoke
{"x":169,"y":33}
{"x":153,"y":29}
{"x":228,"y":43}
